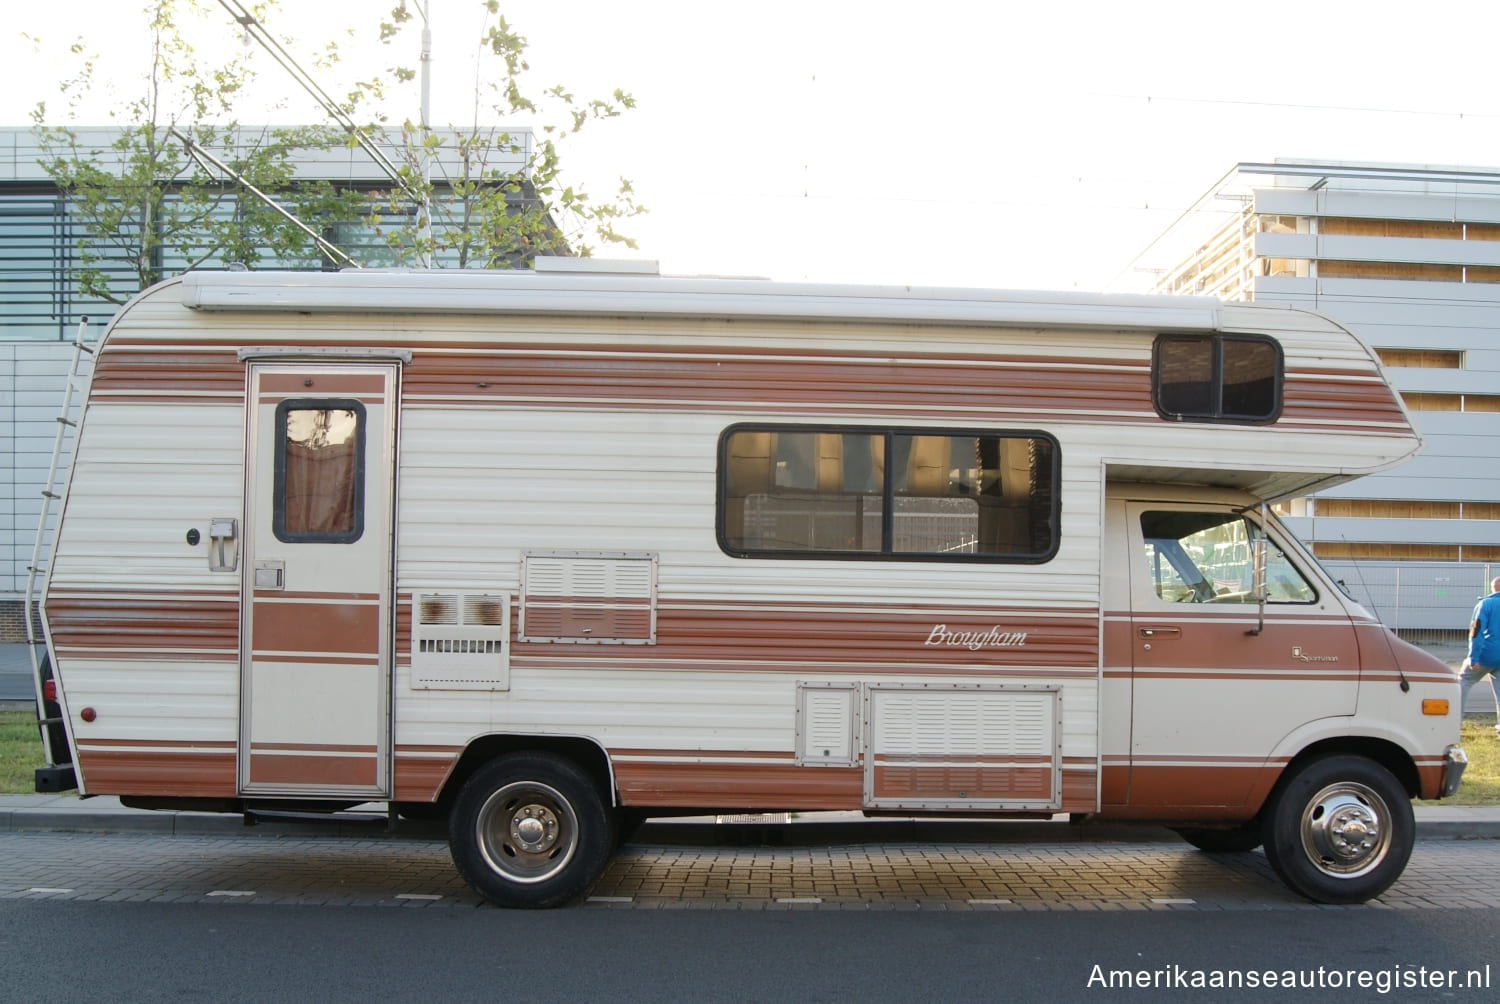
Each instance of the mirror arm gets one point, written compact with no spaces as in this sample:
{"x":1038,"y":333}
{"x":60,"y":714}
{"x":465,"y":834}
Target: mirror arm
{"x":1258,"y":570}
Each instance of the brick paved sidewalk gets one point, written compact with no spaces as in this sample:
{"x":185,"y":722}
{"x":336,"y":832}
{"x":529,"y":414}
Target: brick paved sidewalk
{"x":140,"y":867}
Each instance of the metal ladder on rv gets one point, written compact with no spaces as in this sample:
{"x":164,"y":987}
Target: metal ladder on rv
{"x":57,"y":774}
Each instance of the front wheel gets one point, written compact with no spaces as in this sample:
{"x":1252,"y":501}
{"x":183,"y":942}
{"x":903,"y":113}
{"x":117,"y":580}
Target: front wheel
{"x":530,"y":830}
{"x":1340,"y":830}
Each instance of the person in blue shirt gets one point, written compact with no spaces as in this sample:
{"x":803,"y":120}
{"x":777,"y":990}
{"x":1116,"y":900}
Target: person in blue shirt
{"x":1484,"y":648}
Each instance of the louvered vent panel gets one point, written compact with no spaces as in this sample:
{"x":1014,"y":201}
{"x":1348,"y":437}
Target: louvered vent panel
{"x":826,"y":719}
{"x":974,"y":747}
{"x":588,"y":597}
{"x":460,"y":641}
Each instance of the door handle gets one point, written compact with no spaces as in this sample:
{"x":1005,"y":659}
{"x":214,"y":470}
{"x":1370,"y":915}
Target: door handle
{"x":270,"y":575}
{"x":1160,"y":632}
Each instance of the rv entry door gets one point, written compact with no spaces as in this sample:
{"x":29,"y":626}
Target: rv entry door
{"x":315,"y":652}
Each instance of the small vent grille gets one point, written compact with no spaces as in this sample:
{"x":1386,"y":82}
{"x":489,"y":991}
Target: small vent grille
{"x":460,"y":641}
{"x":461,"y":646}
{"x":437,"y":608}
{"x":485,"y":611}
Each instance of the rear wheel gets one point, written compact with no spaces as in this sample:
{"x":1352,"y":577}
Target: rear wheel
{"x":1340,"y":830}
{"x":530,"y":830}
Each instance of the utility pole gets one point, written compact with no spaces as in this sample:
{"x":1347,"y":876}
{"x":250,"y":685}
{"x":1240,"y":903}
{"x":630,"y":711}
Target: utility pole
{"x":424,"y":206}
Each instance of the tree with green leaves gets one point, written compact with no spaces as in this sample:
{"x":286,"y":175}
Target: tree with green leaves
{"x":149,"y":196}
{"x":500,"y":197}
{"x":177,"y":184}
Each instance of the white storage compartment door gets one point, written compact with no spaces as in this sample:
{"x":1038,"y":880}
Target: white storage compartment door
{"x":963,"y":746}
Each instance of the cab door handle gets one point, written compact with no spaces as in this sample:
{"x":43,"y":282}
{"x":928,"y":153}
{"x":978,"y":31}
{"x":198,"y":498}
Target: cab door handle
{"x":1160,"y":632}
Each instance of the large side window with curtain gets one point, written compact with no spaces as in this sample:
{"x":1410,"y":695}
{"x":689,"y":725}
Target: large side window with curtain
{"x":821,"y":492}
{"x":320,"y":471}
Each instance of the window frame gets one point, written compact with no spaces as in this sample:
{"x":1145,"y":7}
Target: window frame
{"x":278,"y":490}
{"x":1218,"y":340}
{"x":887,"y":494}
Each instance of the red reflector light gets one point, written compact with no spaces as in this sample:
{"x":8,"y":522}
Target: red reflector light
{"x":49,"y":690}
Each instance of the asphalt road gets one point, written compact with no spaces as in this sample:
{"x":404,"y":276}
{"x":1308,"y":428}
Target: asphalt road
{"x":224,"y":952}
{"x":142,"y":917}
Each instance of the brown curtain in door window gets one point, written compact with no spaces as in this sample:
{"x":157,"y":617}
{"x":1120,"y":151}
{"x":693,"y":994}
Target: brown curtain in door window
{"x":321,"y":464}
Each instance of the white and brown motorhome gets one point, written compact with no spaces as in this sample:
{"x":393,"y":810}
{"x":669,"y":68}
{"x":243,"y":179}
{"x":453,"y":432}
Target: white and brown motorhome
{"x":546,"y":552}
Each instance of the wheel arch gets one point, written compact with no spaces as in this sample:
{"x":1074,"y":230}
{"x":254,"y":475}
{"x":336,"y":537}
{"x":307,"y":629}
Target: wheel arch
{"x":1388,"y":754}
{"x":585,"y":752}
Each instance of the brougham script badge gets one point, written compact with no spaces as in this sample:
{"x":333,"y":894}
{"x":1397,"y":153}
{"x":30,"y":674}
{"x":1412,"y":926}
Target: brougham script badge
{"x":975,"y":640}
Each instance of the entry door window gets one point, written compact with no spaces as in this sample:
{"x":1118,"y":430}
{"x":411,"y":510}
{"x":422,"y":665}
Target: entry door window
{"x":320,"y":465}
{"x":1205,"y":557}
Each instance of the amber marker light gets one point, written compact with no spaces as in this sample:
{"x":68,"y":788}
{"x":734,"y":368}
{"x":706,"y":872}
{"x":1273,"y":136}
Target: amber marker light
{"x":1435,"y":706}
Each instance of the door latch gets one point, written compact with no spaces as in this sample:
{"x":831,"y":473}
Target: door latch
{"x":223,"y":544}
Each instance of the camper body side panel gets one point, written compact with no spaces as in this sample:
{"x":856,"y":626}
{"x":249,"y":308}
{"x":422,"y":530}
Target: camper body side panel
{"x":593,"y":443}
{"x":143,"y":632}
{"x":707,"y":714}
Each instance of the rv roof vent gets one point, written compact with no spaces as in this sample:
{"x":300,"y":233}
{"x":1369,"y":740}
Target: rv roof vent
{"x":598,"y":266}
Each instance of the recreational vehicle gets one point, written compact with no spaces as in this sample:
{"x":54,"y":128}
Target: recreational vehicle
{"x":543,"y":553}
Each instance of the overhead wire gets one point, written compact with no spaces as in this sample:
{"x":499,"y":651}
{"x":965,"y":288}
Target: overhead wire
{"x":331,"y":108}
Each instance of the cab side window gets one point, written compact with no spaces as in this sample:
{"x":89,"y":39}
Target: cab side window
{"x":1206,"y":557}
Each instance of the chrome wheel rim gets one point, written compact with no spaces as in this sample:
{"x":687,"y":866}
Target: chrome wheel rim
{"x":527,"y":832}
{"x":1346,"y":830}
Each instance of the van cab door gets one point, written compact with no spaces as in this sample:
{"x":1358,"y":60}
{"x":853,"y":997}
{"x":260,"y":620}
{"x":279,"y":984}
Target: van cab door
{"x":1214,"y":688}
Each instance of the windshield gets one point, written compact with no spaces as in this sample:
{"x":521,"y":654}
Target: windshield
{"x":1305,"y":553}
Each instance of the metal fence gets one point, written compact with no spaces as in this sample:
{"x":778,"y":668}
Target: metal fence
{"x":1421,"y":600}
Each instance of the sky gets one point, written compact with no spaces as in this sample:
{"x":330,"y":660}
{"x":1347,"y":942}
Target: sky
{"x":992,"y":144}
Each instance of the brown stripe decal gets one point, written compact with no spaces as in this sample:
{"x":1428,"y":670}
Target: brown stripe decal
{"x":739,"y":786}
{"x":208,"y":774}
{"x":321,"y":384}
{"x":312,"y":627}
{"x":955,"y":784}
{"x":582,"y":376}
{"x":1309,"y":397}
{"x":421,"y":771}
{"x":912,"y":385}
{"x":151,"y":626}
{"x":569,"y":617}
{"x":307,"y":769}
{"x":714,"y":635}
{"x":830,"y":638}
{"x":1079,"y":789}
{"x":122,"y":371}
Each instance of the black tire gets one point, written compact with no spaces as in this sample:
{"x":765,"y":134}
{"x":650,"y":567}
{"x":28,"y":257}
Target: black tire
{"x":1339,"y":829}
{"x":530,"y":830}
{"x":1237,"y":840}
